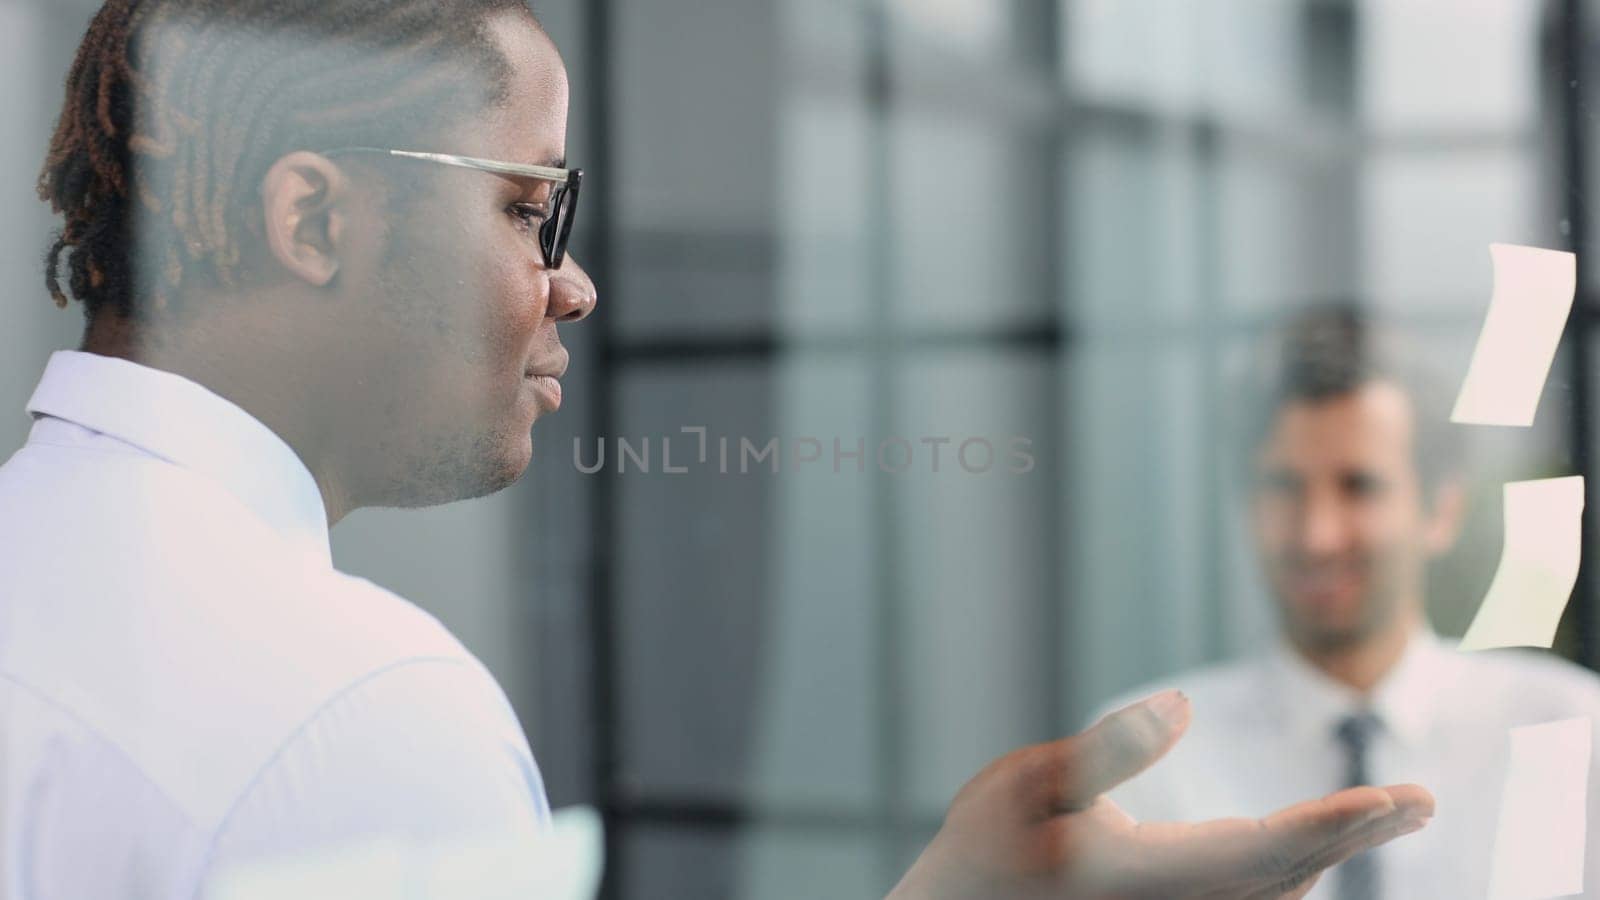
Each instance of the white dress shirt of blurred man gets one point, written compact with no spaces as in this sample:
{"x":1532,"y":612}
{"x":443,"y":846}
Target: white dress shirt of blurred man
{"x":1354,"y":478}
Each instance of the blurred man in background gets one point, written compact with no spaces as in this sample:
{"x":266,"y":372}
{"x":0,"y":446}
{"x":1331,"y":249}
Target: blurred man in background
{"x":1355,"y":484}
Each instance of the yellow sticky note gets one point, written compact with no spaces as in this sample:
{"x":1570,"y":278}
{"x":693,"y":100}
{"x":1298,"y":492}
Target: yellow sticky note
{"x":1538,"y":566}
{"x":1540,"y":838}
{"x":1533,"y":291}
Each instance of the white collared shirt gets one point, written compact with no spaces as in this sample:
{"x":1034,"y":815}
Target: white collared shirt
{"x":1263,"y":737}
{"x":187,"y":686}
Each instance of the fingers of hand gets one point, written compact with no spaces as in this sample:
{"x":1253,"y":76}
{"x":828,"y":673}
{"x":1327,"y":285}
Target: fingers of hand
{"x":1298,"y":883}
{"x":1275,"y":856}
{"x":1305,"y":840}
{"x":1118,"y":747}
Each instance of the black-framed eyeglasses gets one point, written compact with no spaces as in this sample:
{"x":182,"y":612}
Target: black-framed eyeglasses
{"x":555,"y":230}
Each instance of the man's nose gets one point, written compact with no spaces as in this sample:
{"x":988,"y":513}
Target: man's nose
{"x":572,"y":292}
{"x":1323,"y":526}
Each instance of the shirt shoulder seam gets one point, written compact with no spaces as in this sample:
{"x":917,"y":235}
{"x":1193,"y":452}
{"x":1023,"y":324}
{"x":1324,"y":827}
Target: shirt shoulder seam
{"x":101,"y":737}
{"x":294,"y":736}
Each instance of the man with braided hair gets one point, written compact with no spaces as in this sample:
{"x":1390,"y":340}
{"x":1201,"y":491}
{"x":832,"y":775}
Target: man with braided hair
{"x":321,"y":251}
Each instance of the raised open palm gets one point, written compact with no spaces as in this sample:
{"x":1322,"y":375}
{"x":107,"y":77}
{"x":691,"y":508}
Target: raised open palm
{"x":1036,"y":824}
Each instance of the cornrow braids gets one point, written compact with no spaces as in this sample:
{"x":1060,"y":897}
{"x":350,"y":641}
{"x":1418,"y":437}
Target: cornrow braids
{"x":176,"y":109}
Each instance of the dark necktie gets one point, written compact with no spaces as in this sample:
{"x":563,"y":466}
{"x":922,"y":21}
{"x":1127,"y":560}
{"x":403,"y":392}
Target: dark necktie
{"x":1357,"y":877}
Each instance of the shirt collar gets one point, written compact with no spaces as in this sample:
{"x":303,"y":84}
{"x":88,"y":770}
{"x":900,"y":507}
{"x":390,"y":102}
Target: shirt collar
{"x":1313,"y":703}
{"x":182,"y":422}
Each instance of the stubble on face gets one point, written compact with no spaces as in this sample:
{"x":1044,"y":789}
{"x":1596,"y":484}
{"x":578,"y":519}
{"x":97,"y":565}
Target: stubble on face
{"x":1375,"y":610}
{"x":462,"y":442}
{"x":460,"y":289}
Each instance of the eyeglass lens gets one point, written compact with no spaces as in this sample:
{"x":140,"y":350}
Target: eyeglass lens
{"x":552,"y":234}
{"x":558,"y":228}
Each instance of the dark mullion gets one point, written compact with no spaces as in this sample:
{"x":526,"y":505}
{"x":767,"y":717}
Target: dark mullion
{"x":1044,"y":336}
{"x":1208,"y":160}
{"x":1054,"y":183}
{"x":893,"y":760}
{"x":600,"y":199}
{"x":1450,"y":141}
{"x":1572,"y":39}
{"x":711,"y":815}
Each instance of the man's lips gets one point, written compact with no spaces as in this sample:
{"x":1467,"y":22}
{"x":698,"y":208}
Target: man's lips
{"x":1324,"y":587}
{"x":553,"y":367}
{"x":545,"y":376}
{"x":550,"y":387}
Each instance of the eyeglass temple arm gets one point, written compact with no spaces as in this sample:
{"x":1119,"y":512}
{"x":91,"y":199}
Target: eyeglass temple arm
{"x":544,"y":173}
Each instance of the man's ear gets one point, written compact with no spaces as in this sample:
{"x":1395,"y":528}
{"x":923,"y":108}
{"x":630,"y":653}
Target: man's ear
{"x":304,"y":197}
{"x":1446,"y":512}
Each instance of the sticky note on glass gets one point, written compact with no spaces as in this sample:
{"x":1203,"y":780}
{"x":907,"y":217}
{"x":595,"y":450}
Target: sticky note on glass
{"x":1540,"y":840}
{"x":563,"y":862}
{"x":1533,"y":291}
{"x":1538,"y":566}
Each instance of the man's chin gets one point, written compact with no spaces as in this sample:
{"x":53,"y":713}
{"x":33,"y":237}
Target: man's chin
{"x":509,"y":471}
{"x":455,"y":480}
{"x":1328,"y":637}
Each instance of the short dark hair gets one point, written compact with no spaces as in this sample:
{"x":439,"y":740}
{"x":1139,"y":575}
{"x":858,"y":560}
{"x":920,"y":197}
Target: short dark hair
{"x":175,"y":110}
{"x":1330,"y":351}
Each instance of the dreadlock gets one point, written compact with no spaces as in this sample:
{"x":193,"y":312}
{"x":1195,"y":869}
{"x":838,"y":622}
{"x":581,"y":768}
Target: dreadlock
{"x":176,"y":109}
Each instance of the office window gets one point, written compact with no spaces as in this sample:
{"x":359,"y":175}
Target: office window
{"x":1068,"y":221}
